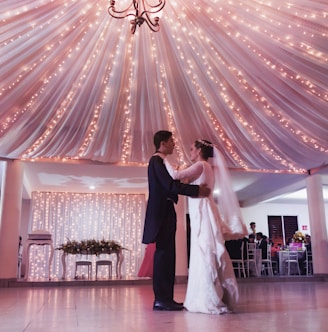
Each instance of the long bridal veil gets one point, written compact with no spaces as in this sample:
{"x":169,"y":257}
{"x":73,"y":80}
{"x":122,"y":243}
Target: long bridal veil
{"x":233,"y":227}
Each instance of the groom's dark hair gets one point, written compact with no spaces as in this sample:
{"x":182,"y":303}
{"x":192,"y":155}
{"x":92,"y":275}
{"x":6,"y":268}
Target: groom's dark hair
{"x":161,"y":136}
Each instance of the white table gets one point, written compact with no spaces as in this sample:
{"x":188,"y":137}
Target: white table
{"x":283,"y":255}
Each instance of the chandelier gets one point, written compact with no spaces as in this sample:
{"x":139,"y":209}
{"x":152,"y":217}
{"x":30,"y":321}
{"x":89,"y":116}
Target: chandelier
{"x":141,"y":11}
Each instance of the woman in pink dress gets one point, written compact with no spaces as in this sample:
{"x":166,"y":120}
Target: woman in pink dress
{"x":147,"y":265}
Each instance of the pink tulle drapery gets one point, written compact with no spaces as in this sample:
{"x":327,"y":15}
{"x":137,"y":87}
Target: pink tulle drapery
{"x":251,"y":76}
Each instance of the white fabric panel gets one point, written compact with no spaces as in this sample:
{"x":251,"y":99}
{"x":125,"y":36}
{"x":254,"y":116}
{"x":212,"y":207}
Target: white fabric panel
{"x":250,"y":76}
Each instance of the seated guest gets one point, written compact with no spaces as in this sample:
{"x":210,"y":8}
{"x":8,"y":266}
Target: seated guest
{"x":262,"y":244}
{"x":251,"y":238}
{"x":302,"y":260}
{"x":275,"y":257}
{"x":308,"y":243}
{"x":274,"y":249}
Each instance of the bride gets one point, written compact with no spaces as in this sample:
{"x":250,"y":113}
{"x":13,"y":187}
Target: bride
{"x":212,"y":287}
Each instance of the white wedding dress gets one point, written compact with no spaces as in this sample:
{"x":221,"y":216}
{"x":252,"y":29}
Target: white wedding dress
{"x":212,"y":287}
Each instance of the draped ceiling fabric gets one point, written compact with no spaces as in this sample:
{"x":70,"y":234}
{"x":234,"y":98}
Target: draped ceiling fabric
{"x":249,"y":75}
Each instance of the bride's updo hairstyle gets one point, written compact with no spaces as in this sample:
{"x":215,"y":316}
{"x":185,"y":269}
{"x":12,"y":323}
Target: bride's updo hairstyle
{"x":206,"y":148}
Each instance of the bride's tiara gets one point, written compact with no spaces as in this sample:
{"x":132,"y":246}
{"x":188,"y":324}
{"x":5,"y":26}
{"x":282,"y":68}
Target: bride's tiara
{"x":204,"y":143}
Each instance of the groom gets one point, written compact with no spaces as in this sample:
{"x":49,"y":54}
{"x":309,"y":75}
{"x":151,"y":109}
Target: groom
{"x":160,"y":221}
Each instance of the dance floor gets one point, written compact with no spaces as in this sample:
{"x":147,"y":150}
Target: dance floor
{"x":127,"y":307}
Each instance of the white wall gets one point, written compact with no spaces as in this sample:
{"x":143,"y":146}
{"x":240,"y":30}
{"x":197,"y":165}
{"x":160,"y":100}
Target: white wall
{"x":259,"y":214}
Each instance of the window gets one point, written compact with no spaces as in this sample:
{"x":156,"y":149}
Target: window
{"x":282,"y":228}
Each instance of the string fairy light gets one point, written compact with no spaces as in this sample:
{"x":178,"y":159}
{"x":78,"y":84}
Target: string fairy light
{"x":57,"y":76}
{"x":246,"y":86}
{"x":82,"y":216}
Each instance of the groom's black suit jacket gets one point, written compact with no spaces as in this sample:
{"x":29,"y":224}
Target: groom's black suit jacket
{"x":162,"y":188}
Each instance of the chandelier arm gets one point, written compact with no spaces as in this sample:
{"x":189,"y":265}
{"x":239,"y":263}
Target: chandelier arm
{"x":122,"y":13}
{"x":153,"y":27}
{"x":150,"y":22}
{"x":160,"y":5}
{"x":136,"y":6}
{"x":156,"y":7}
{"x":120,"y":17}
{"x":133,"y":26}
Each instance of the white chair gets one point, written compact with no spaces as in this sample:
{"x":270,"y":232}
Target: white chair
{"x":292,"y":262}
{"x":104,"y":262}
{"x":86,"y":263}
{"x":267,"y":262}
{"x":252,"y":258}
{"x":239,"y":264}
{"x":308,"y":266}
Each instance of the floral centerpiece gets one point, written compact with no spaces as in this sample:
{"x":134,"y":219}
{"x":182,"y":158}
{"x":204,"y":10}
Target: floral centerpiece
{"x":297,"y":241}
{"x":298,"y":237}
{"x":90,"y":247}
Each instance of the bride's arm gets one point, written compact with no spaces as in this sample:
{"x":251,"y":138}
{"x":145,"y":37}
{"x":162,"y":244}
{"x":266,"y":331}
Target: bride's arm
{"x":190,"y":173}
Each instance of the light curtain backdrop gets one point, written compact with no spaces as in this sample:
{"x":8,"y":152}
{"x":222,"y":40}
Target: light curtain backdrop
{"x":79,"y":216}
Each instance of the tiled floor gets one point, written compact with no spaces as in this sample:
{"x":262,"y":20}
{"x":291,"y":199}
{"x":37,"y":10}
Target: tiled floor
{"x":264,"y":306}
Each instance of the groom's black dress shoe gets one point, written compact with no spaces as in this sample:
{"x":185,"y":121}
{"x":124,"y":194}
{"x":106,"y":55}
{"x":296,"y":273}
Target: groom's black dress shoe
{"x":167,"y":306}
{"x":178,"y":303}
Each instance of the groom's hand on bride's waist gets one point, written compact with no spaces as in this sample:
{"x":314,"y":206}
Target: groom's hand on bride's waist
{"x":204,"y":191}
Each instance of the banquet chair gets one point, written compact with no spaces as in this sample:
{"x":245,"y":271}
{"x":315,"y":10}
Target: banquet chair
{"x":104,"y":262}
{"x":86,"y":263}
{"x":308,"y":266}
{"x":251,"y":258}
{"x":267,"y":262}
{"x":239,"y":264}
{"x":292,"y":259}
